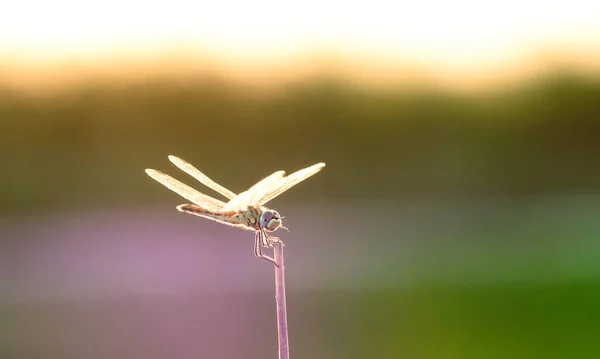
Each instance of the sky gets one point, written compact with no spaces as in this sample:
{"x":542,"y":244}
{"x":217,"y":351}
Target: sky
{"x":458,"y":37}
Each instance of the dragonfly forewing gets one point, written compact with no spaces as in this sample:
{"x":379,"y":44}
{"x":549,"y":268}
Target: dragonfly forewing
{"x":187,"y":192}
{"x":277,"y":188}
{"x":246,"y":198}
{"x":187,"y":167}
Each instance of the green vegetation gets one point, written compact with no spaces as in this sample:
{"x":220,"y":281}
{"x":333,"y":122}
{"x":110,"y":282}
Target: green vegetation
{"x":544,"y":320}
{"x":90,"y":144}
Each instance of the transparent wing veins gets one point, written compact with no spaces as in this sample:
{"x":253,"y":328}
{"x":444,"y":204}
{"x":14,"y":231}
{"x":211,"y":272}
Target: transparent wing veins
{"x":247,"y":197}
{"x":262,"y":192}
{"x":188,"y":168}
{"x":187,"y":192}
{"x":277,"y":188}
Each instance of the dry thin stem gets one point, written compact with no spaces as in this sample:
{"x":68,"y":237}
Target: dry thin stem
{"x":282,"y":328}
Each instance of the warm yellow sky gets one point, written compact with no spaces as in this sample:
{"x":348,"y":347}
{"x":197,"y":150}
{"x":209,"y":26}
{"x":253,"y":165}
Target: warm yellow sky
{"x":446,"y":38}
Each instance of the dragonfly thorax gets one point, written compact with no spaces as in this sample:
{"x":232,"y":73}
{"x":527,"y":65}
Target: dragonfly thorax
{"x":270,"y":220}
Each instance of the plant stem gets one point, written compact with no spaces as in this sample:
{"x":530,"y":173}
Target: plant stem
{"x":282,"y":328}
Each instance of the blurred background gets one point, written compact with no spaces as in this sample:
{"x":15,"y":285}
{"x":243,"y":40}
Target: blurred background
{"x":457,"y":217}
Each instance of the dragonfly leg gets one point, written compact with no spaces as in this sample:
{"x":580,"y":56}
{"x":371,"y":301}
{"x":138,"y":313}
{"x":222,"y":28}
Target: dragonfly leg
{"x":259,"y":242}
{"x":273,"y":240}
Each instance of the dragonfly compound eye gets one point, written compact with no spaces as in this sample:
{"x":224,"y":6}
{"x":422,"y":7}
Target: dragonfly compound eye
{"x":271,"y":220}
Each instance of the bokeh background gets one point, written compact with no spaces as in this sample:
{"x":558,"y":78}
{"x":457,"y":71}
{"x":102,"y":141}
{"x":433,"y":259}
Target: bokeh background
{"x":457,"y":217}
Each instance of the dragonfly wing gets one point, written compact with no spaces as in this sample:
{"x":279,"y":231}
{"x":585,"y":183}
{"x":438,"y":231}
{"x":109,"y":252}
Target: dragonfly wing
{"x":187,"y":192}
{"x":260,"y":189}
{"x":275,"y":189}
{"x":247,"y":197}
{"x":187,"y":167}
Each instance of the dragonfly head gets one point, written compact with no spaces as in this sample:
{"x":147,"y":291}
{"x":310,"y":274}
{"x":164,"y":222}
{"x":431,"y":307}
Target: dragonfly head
{"x":270,"y":220}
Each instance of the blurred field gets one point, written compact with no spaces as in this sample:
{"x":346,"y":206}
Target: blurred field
{"x":446,"y":224}
{"x":89,"y":144}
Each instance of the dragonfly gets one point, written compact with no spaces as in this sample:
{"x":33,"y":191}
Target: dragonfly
{"x":245,"y":210}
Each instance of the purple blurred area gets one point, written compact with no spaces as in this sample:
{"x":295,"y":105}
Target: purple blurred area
{"x":158,"y":251}
{"x":141,"y":283}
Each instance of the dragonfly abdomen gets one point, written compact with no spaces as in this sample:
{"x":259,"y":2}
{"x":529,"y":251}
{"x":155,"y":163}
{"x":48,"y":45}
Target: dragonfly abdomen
{"x":230,"y":218}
